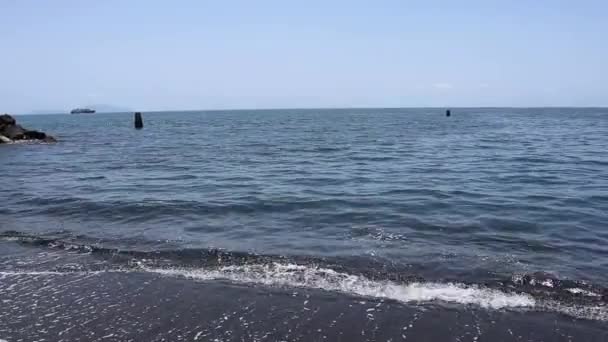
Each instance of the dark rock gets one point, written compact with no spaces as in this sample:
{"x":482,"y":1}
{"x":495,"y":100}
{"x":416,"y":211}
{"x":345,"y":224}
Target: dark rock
{"x":34,"y":135}
{"x":14,"y":132}
{"x":10,"y":130}
{"x":6,"y":120}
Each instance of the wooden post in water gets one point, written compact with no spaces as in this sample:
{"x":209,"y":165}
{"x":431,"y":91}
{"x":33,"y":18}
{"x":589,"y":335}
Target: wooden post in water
{"x":139,"y":122}
{"x":447,"y":113}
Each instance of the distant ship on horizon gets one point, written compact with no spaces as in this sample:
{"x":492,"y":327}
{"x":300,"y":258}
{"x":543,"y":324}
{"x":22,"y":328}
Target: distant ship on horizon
{"x":82,"y":110}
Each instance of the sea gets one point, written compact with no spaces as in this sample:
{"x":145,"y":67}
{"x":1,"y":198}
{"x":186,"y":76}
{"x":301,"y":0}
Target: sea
{"x":308,"y":225}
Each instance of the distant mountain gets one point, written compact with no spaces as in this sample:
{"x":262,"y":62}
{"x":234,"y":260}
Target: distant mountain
{"x":99,"y":108}
{"x":103,"y":108}
{"x":48,"y":111}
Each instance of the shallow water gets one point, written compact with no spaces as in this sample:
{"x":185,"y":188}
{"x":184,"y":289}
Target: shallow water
{"x":501,"y":209}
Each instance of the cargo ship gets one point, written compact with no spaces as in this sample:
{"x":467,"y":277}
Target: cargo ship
{"x":82,"y":111}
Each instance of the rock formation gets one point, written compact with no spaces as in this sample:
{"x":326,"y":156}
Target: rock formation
{"x":10,"y":131}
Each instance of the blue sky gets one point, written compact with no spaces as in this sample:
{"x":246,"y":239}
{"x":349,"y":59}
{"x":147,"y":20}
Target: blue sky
{"x":162,"y":55}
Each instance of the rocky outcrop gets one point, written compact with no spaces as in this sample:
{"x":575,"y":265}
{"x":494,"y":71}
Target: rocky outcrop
{"x":6,"y":120}
{"x":10,"y":131}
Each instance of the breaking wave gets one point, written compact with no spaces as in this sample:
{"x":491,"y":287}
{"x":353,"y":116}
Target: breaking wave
{"x":536,"y":291}
{"x":290,"y":275}
{"x":299,"y":276}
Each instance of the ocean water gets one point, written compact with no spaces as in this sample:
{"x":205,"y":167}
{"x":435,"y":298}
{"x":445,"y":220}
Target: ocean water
{"x":309,"y":225}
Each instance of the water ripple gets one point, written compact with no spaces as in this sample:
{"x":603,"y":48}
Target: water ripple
{"x":403,"y":184}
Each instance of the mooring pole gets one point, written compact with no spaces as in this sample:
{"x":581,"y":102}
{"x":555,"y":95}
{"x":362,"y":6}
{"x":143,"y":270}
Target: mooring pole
{"x":139,"y":122}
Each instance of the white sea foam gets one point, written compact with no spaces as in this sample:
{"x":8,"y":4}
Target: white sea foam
{"x":547,"y":283}
{"x":587,"y":293}
{"x":289,"y":275}
{"x":330,"y":280}
{"x":593,"y":312}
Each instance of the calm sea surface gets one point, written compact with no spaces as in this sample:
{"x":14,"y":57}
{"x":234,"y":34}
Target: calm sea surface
{"x":485,"y":211}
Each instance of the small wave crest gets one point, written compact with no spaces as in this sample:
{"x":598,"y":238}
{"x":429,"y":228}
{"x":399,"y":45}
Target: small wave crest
{"x":300,"y":276}
{"x":358,"y":277}
{"x":291,"y":275}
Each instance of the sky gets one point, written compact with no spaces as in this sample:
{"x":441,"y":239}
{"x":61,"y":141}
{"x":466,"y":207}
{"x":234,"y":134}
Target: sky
{"x":196,"y":54}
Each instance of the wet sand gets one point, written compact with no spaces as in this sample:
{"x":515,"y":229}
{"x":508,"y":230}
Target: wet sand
{"x":136,"y":306}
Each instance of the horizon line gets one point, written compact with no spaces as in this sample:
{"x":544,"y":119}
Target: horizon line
{"x":324,"y":108}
